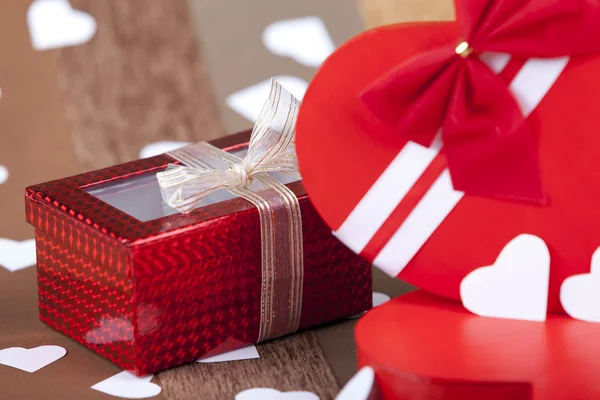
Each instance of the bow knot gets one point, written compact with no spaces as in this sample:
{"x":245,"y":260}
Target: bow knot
{"x":489,"y":147}
{"x":464,"y":49}
{"x":240,"y":172}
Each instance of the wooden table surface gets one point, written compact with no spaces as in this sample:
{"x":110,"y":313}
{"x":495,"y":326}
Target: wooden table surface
{"x":153,"y":71}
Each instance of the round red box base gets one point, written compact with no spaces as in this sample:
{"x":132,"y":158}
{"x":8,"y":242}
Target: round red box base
{"x":425,"y":347}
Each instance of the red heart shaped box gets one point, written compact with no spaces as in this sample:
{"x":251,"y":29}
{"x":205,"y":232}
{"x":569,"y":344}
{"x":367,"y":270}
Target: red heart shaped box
{"x":343,"y":149}
{"x":426,"y":347}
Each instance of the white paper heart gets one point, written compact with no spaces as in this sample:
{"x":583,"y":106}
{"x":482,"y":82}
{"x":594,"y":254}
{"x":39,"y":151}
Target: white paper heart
{"x":128,"y":386}
{"x":378,"y":299}
{"x":248,"y":102}
{"x":515,"y":287}
{"x":245,"y":353}
{"x":157,"y":148}
{"x":17,"y":255}
{"x":3,"y":174}
{"x":54,"y":24}
{"x":580,"y":294}
{"x":31,"y":360}
{"x":305,"y":40}
{"x":360,"y":387}
{"x":272,"y":394}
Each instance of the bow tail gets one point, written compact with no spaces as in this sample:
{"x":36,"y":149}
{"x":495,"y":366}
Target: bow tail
{"x":488,"y":143}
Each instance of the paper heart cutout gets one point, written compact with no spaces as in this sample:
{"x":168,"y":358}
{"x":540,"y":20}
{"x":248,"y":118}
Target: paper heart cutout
{"x":414,"y":225}
{"x":305,"y":40}
{"x":515,"y":287}
{"x":3,"y":174}
{"x":378,"y":299}
{"x":580,"y":294}
{"x":54,"y":24}
{"x":245,"y":353}
{"x":128,"y":386}
{"x":272,"y":394}
{"x":248,"y":102}
{"x":17,"y":255}
{"x":161,"y":147}
{"x":31,"y":360}
{"x":360,"y":387}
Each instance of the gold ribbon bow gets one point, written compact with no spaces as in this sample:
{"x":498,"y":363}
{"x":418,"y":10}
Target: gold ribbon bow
{"x":206,"y":169}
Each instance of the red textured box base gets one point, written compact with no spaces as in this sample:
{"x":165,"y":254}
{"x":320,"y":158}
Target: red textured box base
{"x":81,"y":300}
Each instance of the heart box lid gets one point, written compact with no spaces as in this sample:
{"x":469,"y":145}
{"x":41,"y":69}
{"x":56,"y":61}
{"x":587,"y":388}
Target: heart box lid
{"x":394,"y":117}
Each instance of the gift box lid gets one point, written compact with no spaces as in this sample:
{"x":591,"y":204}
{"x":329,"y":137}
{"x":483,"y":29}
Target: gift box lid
{"x":463,"y":144}
{"x":81,"y":196}
{"x":68,"y":209}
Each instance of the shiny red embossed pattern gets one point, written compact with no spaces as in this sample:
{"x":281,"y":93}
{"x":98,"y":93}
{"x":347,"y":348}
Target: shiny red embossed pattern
{"x":85,"y":301}
{"x":157,"y":294}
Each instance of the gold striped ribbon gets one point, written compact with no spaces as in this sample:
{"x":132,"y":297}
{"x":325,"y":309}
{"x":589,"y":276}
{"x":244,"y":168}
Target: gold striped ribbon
{"x":207,"y":169}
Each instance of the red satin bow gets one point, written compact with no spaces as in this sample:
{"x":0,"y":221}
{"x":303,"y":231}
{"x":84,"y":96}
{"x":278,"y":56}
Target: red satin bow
{"x":489,"y":146}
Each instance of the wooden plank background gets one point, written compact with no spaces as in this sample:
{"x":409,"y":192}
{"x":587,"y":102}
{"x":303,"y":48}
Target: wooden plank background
{"x":144,"y":81}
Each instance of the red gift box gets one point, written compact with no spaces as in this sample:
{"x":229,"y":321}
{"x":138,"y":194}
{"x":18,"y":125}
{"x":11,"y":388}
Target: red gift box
{"x":153,"y":293}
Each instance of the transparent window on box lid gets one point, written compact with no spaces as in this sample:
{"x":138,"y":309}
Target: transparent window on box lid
{"x":140,"y":196}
